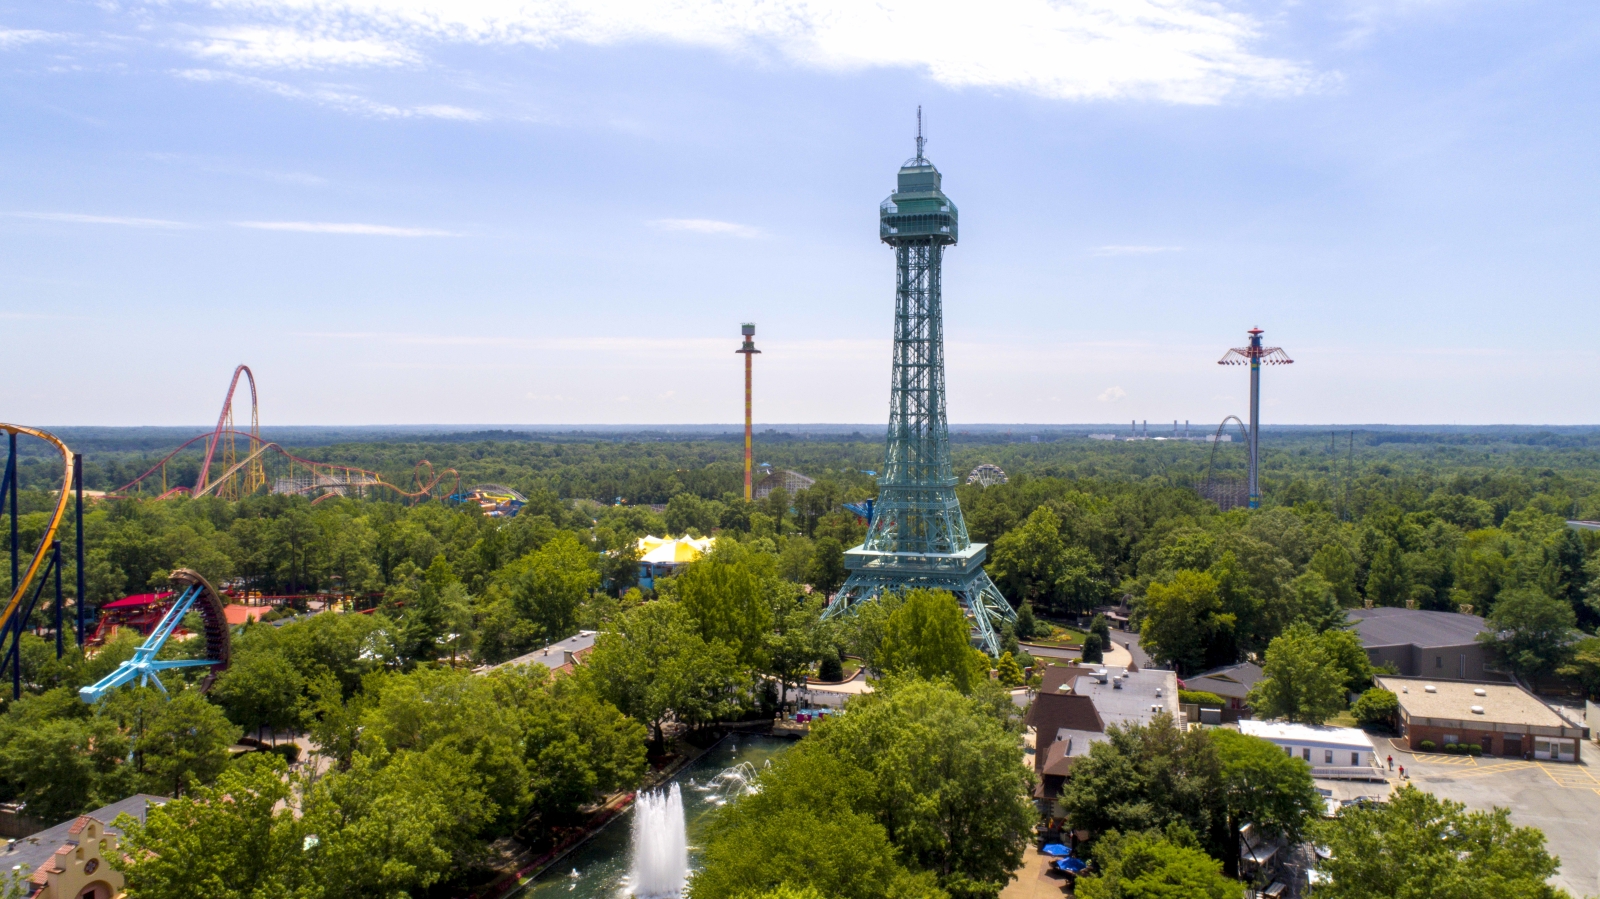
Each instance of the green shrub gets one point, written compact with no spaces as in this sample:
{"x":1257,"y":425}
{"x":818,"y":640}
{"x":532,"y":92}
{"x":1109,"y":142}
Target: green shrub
{"x":1427,"y":745}
{"x":1093,"y":650}
{"x":289,"y":751}
{"x":1475,"y":749}
{"x":1202,"y":698}
{"x":1376,"y":706}
{"x":830,"y":669}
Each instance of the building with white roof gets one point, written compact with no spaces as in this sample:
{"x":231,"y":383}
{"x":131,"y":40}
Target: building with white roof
{"x":1330,"y":751}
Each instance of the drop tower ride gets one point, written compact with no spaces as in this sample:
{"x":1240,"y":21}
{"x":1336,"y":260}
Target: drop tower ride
{"x":917,"y":536}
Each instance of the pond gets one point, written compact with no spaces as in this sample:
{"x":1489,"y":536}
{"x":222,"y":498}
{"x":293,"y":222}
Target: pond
{"x":596,"y":869}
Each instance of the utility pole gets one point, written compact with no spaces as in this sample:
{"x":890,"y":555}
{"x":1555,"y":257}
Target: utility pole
{"x":748,"y":329}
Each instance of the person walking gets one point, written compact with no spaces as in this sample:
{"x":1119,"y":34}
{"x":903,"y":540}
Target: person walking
{"x":1391,"y":763}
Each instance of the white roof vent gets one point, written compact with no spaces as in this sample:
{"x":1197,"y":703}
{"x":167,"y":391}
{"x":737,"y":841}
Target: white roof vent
{"x":1480,"y":692}
{"x":1431,"y":688}
{"x":1477,"y":710}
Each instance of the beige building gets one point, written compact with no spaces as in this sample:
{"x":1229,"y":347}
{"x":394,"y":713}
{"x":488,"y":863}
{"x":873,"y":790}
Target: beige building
{"x":72,"y":859}
{"x":1502,"y":719}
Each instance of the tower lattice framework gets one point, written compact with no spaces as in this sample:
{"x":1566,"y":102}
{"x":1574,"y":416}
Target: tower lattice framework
{"x":917,"y":536}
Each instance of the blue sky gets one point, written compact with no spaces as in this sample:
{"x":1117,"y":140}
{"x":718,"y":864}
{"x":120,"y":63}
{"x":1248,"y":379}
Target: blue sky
{"x":485,"y":211}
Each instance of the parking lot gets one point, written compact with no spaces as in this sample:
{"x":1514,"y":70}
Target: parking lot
{"x":1561,"y":799}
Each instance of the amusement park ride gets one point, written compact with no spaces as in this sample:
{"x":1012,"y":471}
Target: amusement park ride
{"x":243,"y":477}
{"x":239,"y":477}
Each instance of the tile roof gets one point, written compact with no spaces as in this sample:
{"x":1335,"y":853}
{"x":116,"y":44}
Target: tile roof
{"x":39,"y":850}
{"x":1388,"y":626}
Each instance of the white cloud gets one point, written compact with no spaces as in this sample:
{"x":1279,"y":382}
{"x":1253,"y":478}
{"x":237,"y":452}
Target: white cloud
{"x":289,"y":48}
{"x":708,"y":226}
{"x":1111,"y":394}
{"x":338,"y":99}
{"x":348,"y":228}
{"x":100,"y":219}
{"x":1136,"y":250}
{"x":16,"y":37}
{"x":1178,"y":51}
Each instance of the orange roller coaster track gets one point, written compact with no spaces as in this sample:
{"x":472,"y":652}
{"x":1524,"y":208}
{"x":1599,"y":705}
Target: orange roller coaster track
{"x":247,"y":475}
{"x":46,"y":542}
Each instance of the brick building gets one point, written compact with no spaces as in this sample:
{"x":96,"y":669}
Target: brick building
{"x":1504,"y":719}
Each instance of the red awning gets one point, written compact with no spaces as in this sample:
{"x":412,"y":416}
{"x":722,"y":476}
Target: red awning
{"x":137,"y":602}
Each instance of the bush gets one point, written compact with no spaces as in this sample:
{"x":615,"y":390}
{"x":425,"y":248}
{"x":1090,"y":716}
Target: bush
{"x":1475,"y":749}
{"x":1427,"y":745}
{"x":1027,"y":626}
{"x":831,"y":669}
{"x":1452,"y":748}
{"x":289,"y":751}
{"x":1093,"y":650}
{"x":1376,"y":706}
{"x":1201,"y":697}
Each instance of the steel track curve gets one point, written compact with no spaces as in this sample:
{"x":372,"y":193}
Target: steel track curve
{"x":43,"y":551}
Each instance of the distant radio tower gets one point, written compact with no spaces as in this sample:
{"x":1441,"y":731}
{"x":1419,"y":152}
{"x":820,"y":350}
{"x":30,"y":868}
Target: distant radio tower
{"x":748,"y":329}
{"x":1255,"y":354}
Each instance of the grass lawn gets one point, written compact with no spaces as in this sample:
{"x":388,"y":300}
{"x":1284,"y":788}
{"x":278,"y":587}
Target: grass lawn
{"x":1064,"y":637}
{"x":1343,"y":719}
{"x":851,"y":666}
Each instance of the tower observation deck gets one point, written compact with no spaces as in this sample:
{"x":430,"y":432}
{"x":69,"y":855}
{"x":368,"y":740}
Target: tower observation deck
{"x":917,"y":536}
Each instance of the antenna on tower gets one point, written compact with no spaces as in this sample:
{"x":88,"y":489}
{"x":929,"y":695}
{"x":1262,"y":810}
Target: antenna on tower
{"x":920,"y":139}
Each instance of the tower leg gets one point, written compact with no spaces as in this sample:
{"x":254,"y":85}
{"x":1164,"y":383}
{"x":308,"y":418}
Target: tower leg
{"x":1255,"y":433}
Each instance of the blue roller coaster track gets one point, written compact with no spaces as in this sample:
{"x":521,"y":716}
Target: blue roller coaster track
{"x":196,"y":595}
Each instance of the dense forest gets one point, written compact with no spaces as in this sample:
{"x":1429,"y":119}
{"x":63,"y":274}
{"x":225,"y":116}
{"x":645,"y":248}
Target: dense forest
{"x":386,"y":697}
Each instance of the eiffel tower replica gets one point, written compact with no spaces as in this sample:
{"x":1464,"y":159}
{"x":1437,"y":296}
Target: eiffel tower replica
{"x":917,"y":536}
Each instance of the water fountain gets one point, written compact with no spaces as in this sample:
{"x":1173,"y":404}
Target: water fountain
{"x":660,"y":845}
{"x":730,"y":783}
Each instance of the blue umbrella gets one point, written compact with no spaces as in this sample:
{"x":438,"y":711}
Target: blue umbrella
{"x":1056,"y":849}
{"x":1071,"y":865}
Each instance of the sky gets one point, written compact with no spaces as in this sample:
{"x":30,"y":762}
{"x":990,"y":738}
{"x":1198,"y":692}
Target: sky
{"x":548,"y":212}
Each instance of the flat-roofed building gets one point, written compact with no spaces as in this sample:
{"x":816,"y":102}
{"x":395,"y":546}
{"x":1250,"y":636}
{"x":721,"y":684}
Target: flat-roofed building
{"x":1503,"y":719}
{"x":1419,"y":643}
{"x":1074,"y":706}
{"x":1330,"y":751}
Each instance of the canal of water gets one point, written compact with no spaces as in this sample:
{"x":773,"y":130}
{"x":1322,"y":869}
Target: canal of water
{"x":596,"y":869}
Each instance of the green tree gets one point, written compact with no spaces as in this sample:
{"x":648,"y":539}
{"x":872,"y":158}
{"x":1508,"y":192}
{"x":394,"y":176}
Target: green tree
{"x":928,"y":637}
{"x":805,"y":830}
{"x":1153,"y":865}
{"x":1334,"y":564}
{"x":827,"y":573}
{"x":547,"y":586}
{"x":687,"y":512}
{"x":261,"y":690}
{"x":1263,"y":786}
{"x":656,"y":666}
{"x":1386,"y":576}
{"x":1530,"y":632}
{"x":1027,"y":627}
{"x":1146,"y":777}
{"x":725,"y":593}
{"x":1302,"y":681}
{"x":1094,"y":650}
{"x":1376,"y":707}
{"x":226,"y":841}
{"x":1029,"y":560}
{"x":1417,"y":846}
{"x":1181,"y":618}
{"x":58,"y":758}
{"x":1344,"y":648}
{"x":185,"y":743}
{"x":1009,"y":672}
{"x":963,"y":810}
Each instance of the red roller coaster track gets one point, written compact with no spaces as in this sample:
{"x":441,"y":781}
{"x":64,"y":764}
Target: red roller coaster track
{"x":331,"y":479}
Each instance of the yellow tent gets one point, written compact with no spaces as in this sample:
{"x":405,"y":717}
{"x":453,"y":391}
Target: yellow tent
{"x":670,"y":551}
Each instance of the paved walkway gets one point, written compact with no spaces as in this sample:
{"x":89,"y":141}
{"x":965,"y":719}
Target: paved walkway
{"x":1035,"y":880}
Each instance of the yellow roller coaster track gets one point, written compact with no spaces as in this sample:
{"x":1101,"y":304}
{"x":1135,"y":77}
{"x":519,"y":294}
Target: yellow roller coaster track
{"x":43,"y":552}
